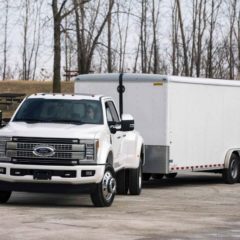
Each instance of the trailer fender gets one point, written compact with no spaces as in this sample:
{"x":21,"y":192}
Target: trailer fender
{"x":228,"y":156}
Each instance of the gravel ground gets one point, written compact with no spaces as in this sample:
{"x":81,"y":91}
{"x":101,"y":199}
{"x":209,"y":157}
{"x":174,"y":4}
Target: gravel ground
{"x":196,"y":206}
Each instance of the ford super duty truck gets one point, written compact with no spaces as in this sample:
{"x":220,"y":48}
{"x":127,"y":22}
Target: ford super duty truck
{"x":71,"y":143}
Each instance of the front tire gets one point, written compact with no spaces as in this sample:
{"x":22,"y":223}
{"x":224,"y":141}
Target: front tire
{"x":4,"y":196}
{"x":231,"y":174}
{"x":135,"y":180}
{"x":105,"y":191}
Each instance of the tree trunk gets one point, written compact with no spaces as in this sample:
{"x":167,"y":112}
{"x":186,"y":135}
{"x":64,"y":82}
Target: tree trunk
{"x":5,"y":42}
{"x":232,"y":22}
{"x":186,"y":68}
{"x":109,"y":47}
{"x":238,"y":45}
{"x":57,"y":48}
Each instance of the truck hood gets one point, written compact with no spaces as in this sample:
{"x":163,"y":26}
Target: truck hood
{"x":52,"y":130}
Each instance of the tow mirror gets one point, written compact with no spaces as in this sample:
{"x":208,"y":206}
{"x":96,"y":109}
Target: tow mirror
{"x":114,"y":128}
{"x":127,"y":123}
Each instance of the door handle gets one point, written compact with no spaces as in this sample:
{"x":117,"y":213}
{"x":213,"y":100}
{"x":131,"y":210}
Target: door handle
{"x":124,"y":135}
{"x":118,"y":137}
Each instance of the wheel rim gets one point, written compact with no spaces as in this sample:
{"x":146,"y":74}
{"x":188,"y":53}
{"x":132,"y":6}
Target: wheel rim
{"x":108,"y":186}
{"x":234,"y":168}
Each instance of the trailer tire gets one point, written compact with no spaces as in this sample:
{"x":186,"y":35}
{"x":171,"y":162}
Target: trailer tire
{"x":231,"y":174}
{"x":122,"y":177}
{"x":146,"y":176}
{"x":135,"y":180}
{"x":105,"y":191}
{"x":4,"y":196}
{"x":171,"y":175}
{"x":158,"y":176}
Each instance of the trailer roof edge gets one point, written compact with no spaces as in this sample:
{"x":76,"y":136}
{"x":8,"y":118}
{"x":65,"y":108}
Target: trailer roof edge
{"x":139,"y":77}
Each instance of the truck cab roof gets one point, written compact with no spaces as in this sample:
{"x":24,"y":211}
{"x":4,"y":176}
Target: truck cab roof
{"x":68,"y":96}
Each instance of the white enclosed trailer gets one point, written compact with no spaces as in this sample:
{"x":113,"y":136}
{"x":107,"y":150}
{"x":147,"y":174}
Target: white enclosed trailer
{"x":188,"y":124}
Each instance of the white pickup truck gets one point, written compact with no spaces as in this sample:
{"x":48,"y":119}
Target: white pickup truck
{"x":70,"y":143}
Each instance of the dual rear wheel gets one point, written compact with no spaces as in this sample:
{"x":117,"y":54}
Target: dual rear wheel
{"x":129,"y":180}
{"x":231,"y":174}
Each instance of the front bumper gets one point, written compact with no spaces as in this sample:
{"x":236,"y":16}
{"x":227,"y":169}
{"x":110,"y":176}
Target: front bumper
{"x":8,"y":174}
{"x":46,"y":187}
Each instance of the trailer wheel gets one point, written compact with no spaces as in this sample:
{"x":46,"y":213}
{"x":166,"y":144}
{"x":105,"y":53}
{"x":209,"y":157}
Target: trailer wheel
{"x":158,"y":176}
{"x":4,"y":196}
{"x":232,"y":173}
{"x":171,"y":175}
{"x":105,"y":191}
{"x":122,"y":182}
{"x":146,"y":176}
{"x":135,"y":180}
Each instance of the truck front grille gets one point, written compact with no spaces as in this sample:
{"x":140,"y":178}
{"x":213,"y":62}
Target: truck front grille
{"x":64,"y":151}
{"x":45,"y":140}
{"x":57,"y":147}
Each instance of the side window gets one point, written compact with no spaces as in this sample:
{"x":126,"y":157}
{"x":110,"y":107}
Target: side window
{"x":111,"y":112}
{"x":109,"y":115}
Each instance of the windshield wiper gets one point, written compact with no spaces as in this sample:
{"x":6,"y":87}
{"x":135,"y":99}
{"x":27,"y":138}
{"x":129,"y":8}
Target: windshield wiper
{"x":77,"y":122}
{"x":27,"y":120}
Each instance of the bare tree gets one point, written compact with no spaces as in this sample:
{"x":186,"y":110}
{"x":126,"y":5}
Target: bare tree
{"x":58,"y":16}
{"x":201,"y":27}
{"x":233,"y":12}
{"x":5,"y":43}
{"x":185,"y":51}
{"x":88,"y":33}
{"x":155,"y":19}
{"x":109,"y":37}
{"x":175,"y":44}
{"x":143,"y":35}
{"x":238,"y":43}
{"x":25,"y":40}
{"x":213,"y":19}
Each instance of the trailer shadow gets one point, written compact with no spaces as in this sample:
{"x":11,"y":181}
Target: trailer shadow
{"x":184,"y":180}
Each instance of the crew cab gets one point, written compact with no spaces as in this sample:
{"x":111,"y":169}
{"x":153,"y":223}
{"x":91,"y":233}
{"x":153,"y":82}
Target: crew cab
{"x":71,"y":143}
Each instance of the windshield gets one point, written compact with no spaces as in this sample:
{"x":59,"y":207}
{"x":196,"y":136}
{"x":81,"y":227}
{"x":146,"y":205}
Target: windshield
{"x":60,"y":111}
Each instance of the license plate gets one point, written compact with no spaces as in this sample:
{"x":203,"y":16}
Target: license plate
{"x":42,"y":175}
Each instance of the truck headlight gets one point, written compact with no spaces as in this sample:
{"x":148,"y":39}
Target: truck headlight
{"x":91,"y":148}
{"x":3,"y":143}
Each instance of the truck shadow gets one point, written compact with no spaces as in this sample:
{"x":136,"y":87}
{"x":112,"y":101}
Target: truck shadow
{"x":184,"y":180}
{"x":48,"y":200}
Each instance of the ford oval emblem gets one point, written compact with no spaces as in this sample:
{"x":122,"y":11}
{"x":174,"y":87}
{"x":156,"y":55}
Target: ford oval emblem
{"x":43,"y":151}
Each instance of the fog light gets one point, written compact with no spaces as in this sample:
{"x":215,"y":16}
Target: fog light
{"x":88,"y":173}
{"x":2,"y":170}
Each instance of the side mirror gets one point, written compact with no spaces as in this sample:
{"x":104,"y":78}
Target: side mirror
{"x":127,"y":123}
{"x":114,"y":128}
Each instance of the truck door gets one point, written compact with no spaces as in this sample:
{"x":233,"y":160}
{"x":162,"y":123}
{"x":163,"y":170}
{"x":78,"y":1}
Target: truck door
{"x":117,"y":138}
